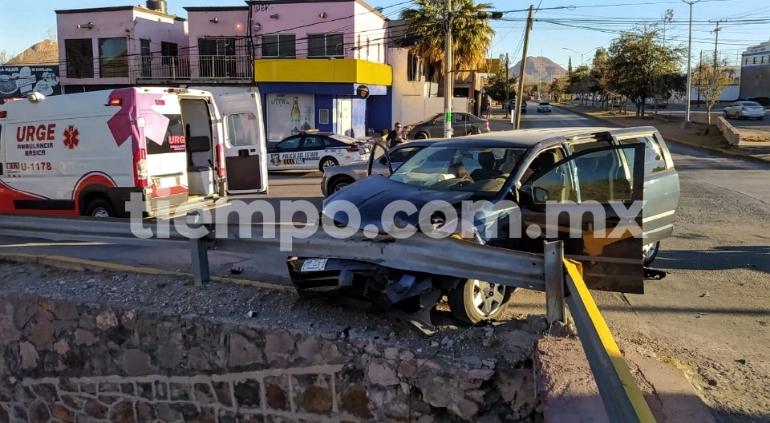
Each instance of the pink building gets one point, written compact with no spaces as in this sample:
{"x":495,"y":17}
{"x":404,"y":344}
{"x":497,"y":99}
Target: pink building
{"x":114,"y":46}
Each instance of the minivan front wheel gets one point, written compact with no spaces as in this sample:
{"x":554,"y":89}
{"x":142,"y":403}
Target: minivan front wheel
{"x":473,"y":301}
{"x":649,"y":252}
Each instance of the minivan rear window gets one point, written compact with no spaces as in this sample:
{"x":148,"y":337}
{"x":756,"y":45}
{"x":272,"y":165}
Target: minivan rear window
{"x":174,"y":141}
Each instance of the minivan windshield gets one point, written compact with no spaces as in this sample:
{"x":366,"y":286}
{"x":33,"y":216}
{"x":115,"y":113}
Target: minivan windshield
{"x":481,"y":170}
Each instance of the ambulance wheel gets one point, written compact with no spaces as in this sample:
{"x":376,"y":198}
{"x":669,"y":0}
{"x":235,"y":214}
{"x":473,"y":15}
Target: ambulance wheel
{"x":100,"y":207}
{"x":327,"y":163}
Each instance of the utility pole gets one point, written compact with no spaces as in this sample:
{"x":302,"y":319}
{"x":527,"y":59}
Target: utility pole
{"x":448,"y":74}
{"x":716,"y":44}
{"x":689,"y":62}
{"x":700,"y":83}
{"x":507,"y":93}
{"x":520,"y":94}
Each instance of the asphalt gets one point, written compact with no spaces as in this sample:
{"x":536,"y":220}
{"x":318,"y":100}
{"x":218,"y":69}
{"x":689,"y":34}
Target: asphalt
{"x":710,"y":315}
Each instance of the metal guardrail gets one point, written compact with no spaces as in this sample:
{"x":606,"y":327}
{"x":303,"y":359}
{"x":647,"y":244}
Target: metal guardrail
{"x":622,"y":398}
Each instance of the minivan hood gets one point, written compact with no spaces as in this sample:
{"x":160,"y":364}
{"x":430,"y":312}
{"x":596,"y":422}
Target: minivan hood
{"x":373,"y":194}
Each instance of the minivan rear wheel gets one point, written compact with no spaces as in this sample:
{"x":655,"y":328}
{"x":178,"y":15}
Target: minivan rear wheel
{"x":421,"y":136}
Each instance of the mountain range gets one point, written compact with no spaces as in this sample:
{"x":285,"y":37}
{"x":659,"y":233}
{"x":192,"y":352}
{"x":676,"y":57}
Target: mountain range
{"x":539,"y":67}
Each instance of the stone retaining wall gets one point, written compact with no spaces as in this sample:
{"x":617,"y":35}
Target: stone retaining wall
{"x":731,"y":134}
{"x":70,"y":362}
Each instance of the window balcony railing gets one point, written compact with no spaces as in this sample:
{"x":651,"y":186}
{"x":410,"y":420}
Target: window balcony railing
{"x":204,"y":68}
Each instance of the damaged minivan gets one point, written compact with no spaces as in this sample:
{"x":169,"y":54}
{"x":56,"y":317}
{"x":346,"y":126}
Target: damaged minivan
{"x":519,"y":177}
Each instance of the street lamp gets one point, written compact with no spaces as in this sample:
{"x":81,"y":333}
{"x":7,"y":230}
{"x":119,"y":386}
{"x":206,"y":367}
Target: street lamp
{"x":689,"y":67}
{"x":581,"y":54}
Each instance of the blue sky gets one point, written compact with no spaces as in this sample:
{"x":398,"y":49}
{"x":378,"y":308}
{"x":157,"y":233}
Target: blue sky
{"x":22,"y":25}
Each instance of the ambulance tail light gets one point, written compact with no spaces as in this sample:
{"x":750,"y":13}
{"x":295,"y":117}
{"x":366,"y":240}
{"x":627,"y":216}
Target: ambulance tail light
{"x":220,"y":160}
{"x":141,"y":175}
{"x":115,"y":101}
{"x":3,"y":114}
{"x":354,"y":148}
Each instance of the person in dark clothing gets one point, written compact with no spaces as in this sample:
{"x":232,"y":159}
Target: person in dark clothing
{"x":487,"y":170}
{"x":396,"y":136}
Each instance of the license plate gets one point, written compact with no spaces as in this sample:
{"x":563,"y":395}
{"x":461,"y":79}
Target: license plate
{"x":314,"y":265}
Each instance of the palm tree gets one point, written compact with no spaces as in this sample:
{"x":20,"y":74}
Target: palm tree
{"x":471,"y":32}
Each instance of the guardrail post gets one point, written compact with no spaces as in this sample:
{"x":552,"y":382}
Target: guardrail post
{"x":200,"y":258}
{"x":554,"y":281}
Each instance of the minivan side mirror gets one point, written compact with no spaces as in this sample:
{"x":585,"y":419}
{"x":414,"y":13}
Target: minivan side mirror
{"x":540,"y":195}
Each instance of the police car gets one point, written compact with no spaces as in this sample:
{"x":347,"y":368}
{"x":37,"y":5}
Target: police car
{"x":315,"y":150}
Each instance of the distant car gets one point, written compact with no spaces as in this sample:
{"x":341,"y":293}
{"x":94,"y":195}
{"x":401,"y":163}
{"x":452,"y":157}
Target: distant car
{"x":512,"y":106}
{"x":544,"y":107}
{"x":744,"y":110}
{"x":337,"y":178}
{"x":462,"y":124}
{"x":315,"y":150}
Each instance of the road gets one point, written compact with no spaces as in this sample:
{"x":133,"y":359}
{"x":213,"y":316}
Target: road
{"x":710,"y":316}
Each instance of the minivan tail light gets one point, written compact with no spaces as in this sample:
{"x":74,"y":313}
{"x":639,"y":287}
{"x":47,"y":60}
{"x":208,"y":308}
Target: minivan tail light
{"x":220,"y":160}
{"x":3,"y":114}
{"x":486,"y":125}
{"x":141,"y":175}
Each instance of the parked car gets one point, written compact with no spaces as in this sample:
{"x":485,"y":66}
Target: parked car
{"x":544,"y":107}
{"x":338,"y":177}
{"x":744,"y":110}
{"x":462,"y":124}
{"x":315,"y":151}
{"x":526,"y":168}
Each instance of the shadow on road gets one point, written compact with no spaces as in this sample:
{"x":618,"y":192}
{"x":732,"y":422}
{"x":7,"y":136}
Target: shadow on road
{"x":718,"y":258}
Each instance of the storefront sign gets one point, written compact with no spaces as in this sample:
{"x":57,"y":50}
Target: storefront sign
{"x":19,"y":81}
{"x":289,"y":114}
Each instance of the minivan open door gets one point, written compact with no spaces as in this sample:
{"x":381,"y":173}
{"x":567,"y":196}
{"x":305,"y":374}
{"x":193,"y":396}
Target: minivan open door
{"x":245,"y":146}
{"x":592,"y":201}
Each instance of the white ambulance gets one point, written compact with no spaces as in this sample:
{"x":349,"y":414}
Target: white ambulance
{"x":84,"y":154}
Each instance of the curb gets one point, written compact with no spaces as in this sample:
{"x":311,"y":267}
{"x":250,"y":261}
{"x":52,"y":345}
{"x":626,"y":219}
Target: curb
{"x":717,"y":150}
{"x":80,"y":265}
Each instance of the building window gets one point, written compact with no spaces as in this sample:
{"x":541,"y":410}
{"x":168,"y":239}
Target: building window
{"x":325,"y":45}
{"x":754,"y":60}
{"x":113,"y":57}
{"x":280,"y":45}
{"x":80,"y":58}
{"x":413,"y":71}
{"x":146,"y":54}
{"x":217,"y":57}
{"x":169,"y":49}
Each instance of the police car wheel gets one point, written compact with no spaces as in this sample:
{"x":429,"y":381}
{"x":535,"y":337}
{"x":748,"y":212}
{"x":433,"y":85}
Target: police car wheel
{"x":100,"y":207}
{"x":327,"y":163}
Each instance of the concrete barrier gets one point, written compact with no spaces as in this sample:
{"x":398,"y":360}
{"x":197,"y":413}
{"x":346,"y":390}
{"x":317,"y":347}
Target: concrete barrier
{"x":731,"y":134}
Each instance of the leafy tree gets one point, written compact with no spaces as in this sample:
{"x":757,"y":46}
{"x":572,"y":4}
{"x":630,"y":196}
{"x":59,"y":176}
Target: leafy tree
{"x":5,"y":57}
{"x":580,"y":82}
{"x":636,"y":60}
{"x":600,"y":75}
{"x":498,"y":89}
{"x":569,"y":67}
{"x":557,"y":88}
{"x":471,"y":32}
{"x":711,"y":80}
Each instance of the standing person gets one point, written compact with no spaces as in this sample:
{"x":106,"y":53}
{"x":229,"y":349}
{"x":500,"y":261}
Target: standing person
{"x":396,"y":136}
{"x":485,"y":107}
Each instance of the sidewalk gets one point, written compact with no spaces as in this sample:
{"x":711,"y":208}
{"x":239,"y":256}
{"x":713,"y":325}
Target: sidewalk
{"x":671,"y":129}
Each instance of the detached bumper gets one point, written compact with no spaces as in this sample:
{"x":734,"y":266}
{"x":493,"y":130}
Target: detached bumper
{"x":360,"y":279}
